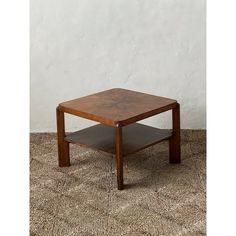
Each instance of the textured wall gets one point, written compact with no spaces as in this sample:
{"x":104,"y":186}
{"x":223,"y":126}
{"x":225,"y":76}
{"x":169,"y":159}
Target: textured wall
{"x":80,"y":47}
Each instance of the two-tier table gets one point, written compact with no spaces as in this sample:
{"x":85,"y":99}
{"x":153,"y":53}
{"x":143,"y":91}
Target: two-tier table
{"x":117,"y":110}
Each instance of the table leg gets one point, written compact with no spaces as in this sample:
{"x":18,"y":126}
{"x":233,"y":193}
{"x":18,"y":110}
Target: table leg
{"x":63,"y":146}
{"x":174,"y":141}
{"x":119,"y":157}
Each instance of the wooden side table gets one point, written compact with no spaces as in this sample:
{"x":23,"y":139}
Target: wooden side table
{"x":117,"y":110}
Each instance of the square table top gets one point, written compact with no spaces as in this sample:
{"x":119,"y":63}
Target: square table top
{"x":117,"y":107}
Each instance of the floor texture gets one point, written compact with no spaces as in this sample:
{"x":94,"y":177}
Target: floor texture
{"x":159,"y":198}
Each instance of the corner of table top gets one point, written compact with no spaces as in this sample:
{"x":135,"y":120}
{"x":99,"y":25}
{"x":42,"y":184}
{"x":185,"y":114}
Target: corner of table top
{"x":60,"y":107}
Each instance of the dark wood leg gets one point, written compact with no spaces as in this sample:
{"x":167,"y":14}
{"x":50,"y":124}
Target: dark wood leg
{"x":63,"y":146}
{"x":119,"y":157}
{"x":174,"y":142}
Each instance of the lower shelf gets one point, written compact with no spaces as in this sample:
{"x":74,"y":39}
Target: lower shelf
{"x":135,"y":137}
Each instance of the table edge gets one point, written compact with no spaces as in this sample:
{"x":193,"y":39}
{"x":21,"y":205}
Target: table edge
{"x":115,"y":123}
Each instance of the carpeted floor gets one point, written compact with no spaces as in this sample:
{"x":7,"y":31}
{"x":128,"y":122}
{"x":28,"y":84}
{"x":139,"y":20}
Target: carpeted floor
{"x":159,"y":198}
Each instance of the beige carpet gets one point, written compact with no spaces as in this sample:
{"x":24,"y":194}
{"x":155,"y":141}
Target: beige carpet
{"x":159,"y":198}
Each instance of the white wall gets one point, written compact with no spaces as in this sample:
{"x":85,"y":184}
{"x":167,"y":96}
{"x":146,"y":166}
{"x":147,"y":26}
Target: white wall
{"x":79,"y":47}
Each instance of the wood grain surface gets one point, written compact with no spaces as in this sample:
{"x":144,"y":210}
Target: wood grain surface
{"x":117,"y":106}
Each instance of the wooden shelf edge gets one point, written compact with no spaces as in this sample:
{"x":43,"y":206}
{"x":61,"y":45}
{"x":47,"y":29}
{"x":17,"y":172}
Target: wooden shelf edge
{"x":135,"y":137}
